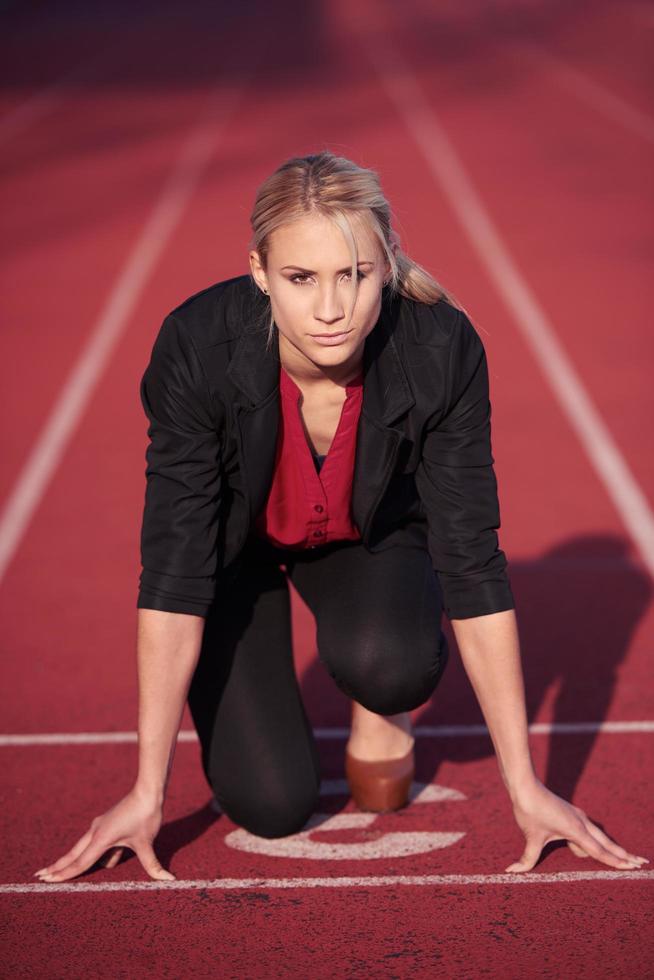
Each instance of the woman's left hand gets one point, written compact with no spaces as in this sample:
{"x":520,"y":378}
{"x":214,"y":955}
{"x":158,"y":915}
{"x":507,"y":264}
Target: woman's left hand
{"x":543,"y":817}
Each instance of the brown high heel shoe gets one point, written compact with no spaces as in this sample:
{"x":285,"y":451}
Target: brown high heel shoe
{"x":380,"y":785}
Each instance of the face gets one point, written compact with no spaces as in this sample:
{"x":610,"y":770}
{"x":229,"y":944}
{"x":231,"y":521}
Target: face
{"x":308,"y":279}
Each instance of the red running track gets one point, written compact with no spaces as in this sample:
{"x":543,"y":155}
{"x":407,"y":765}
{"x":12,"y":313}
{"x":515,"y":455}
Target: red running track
{"x":550,"y":116}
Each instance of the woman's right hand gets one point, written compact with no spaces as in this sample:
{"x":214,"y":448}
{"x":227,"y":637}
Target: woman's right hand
{"x":133,"y":822}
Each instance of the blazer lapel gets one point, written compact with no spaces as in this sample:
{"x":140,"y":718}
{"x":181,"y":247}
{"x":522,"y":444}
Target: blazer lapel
{"x":387,"y":395}
{"x":255,"y":372}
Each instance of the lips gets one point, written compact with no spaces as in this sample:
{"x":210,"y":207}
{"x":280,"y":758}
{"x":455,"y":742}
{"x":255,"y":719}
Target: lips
{"x":331,"y":339}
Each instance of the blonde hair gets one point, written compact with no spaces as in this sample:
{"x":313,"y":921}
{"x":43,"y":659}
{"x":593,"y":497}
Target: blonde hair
{"x":337,"y":188}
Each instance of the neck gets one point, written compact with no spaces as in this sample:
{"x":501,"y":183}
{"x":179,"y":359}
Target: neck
{"x":305,"y":372}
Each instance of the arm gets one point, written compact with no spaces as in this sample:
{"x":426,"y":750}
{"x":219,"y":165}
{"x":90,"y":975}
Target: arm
{"x":457,"y":482}
{"x":168,"y":646}
{"x":167,"y":651}
{"x":490,"y":651}
{"x":179,"y":559}
{"x":179,"y":531}
{"x":178,"y":544}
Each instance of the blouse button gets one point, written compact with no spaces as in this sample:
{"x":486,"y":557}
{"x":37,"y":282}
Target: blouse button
{"x":318,"y":534}
{"x":319,"y":508}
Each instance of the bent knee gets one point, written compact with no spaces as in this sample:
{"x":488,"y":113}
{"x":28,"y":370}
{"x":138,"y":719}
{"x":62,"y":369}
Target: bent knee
{"x":388,"y":682}
{"x":268,"y":813}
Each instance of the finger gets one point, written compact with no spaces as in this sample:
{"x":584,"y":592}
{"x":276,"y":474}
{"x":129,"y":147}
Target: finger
{"x":69,"y":856}
{"x":113,"y":858}
{"x":596,"y":850}
{"x":576,"y":850}
{"x":610,"y":844}
{"x":150,"y":861}
{"x":81,"y":863}
{"x":529,"y":856}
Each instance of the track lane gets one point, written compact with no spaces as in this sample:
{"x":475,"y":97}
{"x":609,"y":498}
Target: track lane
{"x":574,"y":625}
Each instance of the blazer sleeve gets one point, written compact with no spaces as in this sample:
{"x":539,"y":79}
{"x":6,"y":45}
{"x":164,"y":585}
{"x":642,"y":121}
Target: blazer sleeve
{"x":457,"y":484}
{"x":183,"y":478}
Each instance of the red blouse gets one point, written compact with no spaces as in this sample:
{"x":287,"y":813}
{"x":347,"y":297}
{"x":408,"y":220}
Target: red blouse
{"x":310,"y":496}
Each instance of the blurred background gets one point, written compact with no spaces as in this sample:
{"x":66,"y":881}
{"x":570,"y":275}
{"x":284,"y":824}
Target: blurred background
{"x":515,"y":142}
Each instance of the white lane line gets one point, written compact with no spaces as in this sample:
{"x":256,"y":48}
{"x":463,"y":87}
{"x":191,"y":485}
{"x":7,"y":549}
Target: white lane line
{"x":29,"y":111}
{"x":51,"y":443}
{"x":361,"y":881}
{"x":420,"y":731}
{"x":536,"y":728}
{"x":447,"y":168}
{"x":585,"y":88}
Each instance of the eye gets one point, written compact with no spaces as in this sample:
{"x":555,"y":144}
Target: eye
{"x":301,"y":277}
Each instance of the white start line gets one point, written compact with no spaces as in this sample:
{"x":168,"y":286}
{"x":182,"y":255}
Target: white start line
{"x":313,"y":843}
{"x":359,"y":881}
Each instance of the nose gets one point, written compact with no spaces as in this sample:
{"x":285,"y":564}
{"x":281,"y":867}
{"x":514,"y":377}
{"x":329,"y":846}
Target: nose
{"x":329,"y":306}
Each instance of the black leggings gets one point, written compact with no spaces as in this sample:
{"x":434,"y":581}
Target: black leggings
{"x":378,"y":621}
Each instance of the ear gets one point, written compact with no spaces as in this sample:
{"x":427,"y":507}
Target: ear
{"x":258,"y":271}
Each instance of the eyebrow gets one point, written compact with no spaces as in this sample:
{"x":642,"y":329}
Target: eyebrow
{"x":311,"y":272}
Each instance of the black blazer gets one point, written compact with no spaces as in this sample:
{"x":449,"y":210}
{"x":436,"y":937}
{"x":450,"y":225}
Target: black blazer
{"x":423,"y":472}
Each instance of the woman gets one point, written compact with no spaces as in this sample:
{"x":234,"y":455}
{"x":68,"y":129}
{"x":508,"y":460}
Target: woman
{"x":326,"y":422}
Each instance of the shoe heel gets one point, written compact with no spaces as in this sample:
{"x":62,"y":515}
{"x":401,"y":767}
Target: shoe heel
{"x":380,"y":786}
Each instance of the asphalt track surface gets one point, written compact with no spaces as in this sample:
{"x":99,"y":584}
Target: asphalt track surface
{"x":515,"y":142}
